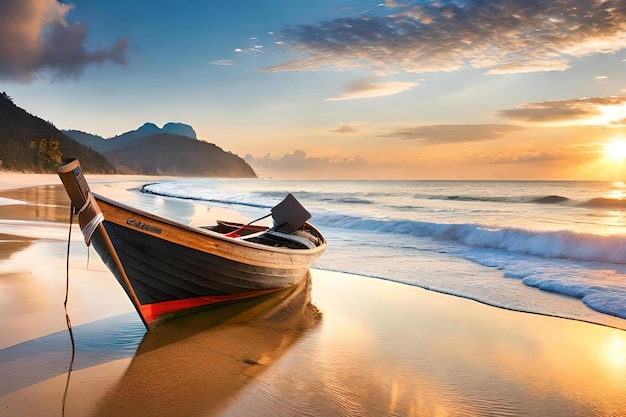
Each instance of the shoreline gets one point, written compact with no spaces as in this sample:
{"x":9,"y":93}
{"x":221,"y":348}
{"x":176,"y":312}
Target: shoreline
{"x":379,"y":348}
{"x":617,"y":326}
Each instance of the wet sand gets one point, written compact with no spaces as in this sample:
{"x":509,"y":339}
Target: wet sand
{"x":338,"y":345}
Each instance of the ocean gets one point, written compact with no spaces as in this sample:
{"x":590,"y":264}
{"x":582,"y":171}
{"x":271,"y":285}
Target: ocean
{"x":555,"y":248}
{"x":374,"y":347}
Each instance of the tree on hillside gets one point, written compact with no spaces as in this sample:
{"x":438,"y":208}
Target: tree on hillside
{"x":46,"y":154}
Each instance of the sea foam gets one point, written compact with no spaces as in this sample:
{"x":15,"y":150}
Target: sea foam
{"x":563,"y":244}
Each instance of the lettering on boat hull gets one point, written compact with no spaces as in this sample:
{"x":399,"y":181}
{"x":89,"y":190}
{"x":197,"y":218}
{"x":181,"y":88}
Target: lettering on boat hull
{"x":143,"y":226}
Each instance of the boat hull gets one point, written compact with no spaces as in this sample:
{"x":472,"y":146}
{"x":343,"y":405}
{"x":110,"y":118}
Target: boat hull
{"x":169,"y":276}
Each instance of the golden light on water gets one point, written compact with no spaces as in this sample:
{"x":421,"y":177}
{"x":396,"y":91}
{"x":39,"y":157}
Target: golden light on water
{"x":617,"y":192}
{"x":615,"y":351}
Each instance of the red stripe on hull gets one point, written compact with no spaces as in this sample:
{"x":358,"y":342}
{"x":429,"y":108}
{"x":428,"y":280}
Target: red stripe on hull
{"x":152,"y":312}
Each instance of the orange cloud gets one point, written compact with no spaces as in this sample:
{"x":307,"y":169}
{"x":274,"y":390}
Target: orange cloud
{"x":365,"y":89}
{"x":591,"y":111}
{"x":306,"y":166}
{"x":439,"y":134}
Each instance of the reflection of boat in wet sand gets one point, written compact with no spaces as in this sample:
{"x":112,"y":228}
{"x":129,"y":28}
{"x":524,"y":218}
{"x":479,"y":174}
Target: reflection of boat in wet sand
{"x":193,"y":365}
{"x":167,"y":268}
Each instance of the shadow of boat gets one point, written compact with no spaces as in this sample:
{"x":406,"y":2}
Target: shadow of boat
{"x":191,"y":366}
{"x":99,"y":342}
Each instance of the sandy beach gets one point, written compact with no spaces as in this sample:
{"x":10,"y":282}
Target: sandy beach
{"x":337,"y":345}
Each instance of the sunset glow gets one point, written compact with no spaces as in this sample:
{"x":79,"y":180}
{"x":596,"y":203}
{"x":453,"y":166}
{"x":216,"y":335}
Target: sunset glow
{"x":616,"y":150}
{"x":365,"y":89}
{"x":612,"y":115}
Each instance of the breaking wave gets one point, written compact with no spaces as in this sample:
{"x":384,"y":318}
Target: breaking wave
{"x":548,"y":244}
{"x":607,"y":203}
{"x":184,"y":194}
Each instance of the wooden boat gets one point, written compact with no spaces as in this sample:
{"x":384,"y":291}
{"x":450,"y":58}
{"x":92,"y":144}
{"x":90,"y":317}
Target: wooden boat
{"x":167,"y":268}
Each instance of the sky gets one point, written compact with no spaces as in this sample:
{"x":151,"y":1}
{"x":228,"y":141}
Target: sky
{"x":355,"y":89}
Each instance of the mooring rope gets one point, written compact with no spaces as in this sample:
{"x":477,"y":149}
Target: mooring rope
{"x":67,"y":316}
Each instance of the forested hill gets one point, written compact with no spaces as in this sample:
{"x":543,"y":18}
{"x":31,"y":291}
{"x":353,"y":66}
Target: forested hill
{"x":31,"y":144}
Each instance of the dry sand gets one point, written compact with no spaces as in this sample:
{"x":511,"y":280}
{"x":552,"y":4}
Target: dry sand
{"x":341,"y":345}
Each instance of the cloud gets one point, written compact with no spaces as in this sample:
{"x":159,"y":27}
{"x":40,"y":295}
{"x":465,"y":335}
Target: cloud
{"x":223,"y":62}
{"x":366,"y":89}
{"x":299,"y":162}
{"x":592,"y":111}
{"x":346,"y":129}
{"x":499,"y":36}
{"x":520,"y":157}
{"x":442,"y":134}
{"x":35,"y":37}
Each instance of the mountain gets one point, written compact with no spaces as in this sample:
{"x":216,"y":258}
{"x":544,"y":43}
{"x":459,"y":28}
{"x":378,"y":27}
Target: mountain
{"x":31,"y":144}
{"x":171,"y":150}
{"x":168,"y":154}
{"x":101,"y":144}
{"x":92,"y":141}
{"x":179,"y":129}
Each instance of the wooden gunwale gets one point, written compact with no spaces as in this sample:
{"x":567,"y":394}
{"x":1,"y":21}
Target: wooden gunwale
{"x":208,"y":241}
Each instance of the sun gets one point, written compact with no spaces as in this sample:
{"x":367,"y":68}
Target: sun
{"x":616,"y":150}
